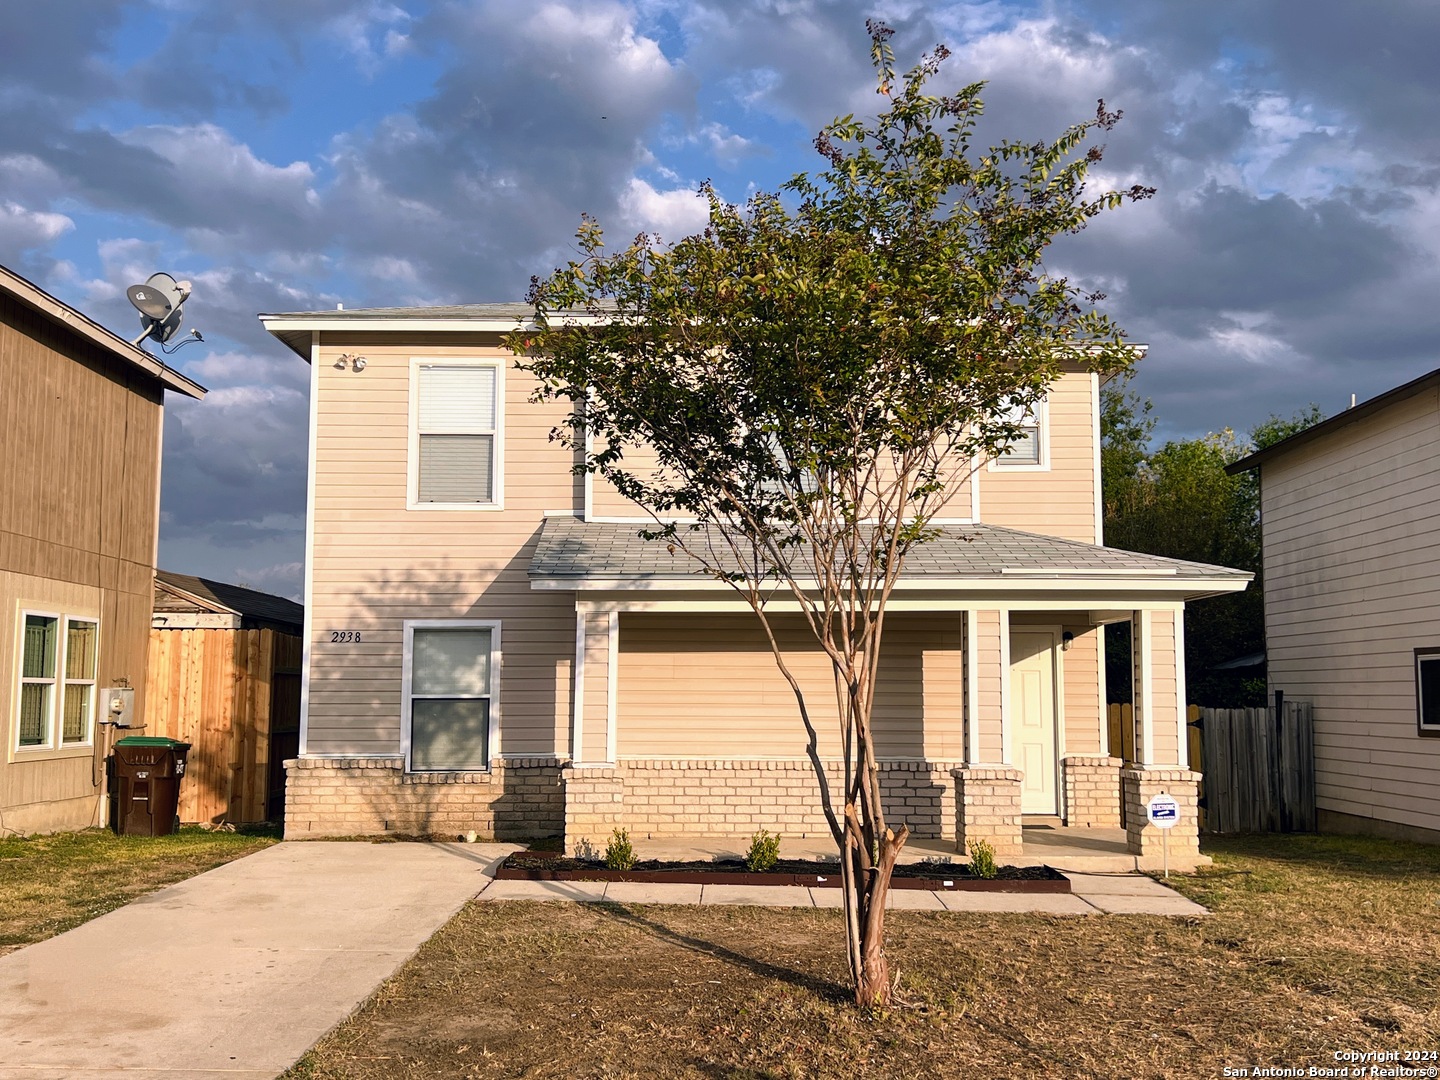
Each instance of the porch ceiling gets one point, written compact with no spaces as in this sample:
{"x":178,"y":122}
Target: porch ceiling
{"x":576,"y":555}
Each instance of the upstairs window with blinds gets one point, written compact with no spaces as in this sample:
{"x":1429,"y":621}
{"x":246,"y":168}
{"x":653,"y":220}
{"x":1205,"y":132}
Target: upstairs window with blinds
{"x":456,"y":443}
{"x":1027,"y":447}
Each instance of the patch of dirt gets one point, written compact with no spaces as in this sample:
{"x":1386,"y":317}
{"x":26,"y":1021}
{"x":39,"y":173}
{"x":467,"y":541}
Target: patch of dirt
{"x":1305,"y":954}
{"x":928,"y":871}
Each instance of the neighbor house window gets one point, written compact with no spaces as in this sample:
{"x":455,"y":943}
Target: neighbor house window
{"x":1028,"y":449}
{"x":1427,"y":690}
{"x":455,"y":435}
{"x":450,"y":695}
{"x":78,"y":703}
{"x":57,"y":681}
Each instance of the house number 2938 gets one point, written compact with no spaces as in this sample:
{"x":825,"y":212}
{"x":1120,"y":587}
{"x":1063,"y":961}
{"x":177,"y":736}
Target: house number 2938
{"x":344,"y":636}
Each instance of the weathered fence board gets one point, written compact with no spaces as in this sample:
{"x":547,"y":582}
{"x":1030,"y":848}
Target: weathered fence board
{"x":1259,"y":772}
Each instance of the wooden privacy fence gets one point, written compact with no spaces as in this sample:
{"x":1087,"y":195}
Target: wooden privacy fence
{"x":1259,"y":774}
{"x":216,"y":690}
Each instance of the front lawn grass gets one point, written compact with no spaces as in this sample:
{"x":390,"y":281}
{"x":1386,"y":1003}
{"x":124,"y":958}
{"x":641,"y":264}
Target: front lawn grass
{"x":49,"y":884}
{"x":1316,"y":945}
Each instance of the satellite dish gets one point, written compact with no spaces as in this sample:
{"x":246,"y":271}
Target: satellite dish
{"x":160,"y":302}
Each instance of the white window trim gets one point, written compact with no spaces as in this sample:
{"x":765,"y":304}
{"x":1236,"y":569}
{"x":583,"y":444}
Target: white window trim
{"x":407,"y":671}
{"x":1041,"y":411}
{"x":1423,"y":656}
{"x":65,"y":682}
{"x":54,"y":744}
{"x":412,"y":469}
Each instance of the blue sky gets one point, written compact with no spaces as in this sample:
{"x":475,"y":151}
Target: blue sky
{"x":295,"y":154}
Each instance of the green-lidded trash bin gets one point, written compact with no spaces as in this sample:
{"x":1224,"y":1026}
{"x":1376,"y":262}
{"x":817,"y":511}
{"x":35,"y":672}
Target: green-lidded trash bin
{"x":145,"y":772}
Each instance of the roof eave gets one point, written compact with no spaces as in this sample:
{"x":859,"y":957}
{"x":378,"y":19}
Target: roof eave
{"x":1175,"y":586}
{"x":36,"y":298}
{"x":1350,"y":416}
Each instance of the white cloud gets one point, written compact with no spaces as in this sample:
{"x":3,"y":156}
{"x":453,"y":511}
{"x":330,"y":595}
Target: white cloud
{"x":22,"y":229}
{"x":673,"y":214}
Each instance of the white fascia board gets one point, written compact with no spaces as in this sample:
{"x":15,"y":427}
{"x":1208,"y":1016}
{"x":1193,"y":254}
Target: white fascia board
{"x":728,"y":604}
{"x":194,"y":620}
{"x":1188,"y":588}
{"x":277,"y":323}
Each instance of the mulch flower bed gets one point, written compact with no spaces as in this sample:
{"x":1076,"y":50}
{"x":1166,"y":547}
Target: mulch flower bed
{"x":934,"y":876}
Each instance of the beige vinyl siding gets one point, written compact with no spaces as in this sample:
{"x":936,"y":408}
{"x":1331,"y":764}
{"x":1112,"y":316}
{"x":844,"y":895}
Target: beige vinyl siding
{"x":1085,"y":729}
{"x":989,"y":627}
{"x":606,"y":502}
{"x":1164,"y":702}
{"x":1352,"y":588}
{"x":1059,"y":500}
{"x":708,"y":686}
{"x":377,"y":564}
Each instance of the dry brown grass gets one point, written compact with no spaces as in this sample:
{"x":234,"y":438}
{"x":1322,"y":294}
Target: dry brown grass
{"x":49,"y":884}
{"x":1316,"y":945}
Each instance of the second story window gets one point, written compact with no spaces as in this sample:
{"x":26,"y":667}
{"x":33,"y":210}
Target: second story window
{"x":455,"y":437}
{"x":1028,"y":449}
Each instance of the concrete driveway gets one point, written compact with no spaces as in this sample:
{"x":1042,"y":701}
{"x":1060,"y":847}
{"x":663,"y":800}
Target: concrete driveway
{"x":234,"y":973}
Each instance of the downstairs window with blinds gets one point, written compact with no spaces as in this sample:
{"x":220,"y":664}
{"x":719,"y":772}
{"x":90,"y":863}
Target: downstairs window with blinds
{"x":451,"y":695}
{"x":455,"y":440}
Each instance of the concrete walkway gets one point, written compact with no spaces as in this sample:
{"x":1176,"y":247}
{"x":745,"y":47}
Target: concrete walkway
{"x":234,"y":973}
{"x":1091,"y":894}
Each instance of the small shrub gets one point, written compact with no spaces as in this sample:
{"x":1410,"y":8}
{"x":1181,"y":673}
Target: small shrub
{"x":982,"y":859}
{"x":619,"y":855}
{"x":764,"y":852}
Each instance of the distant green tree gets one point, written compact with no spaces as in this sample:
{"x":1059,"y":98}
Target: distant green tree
{"x":1178,"y":501}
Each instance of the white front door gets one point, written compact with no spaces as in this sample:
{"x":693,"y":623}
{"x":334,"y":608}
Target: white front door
{"x":1033,"y":718}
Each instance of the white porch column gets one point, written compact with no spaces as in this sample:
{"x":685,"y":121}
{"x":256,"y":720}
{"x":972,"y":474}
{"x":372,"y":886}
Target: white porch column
{"x":597,"y":640}
{"x":1158,"y":653}
{"x":594,"y":788}
{"x":987,"y":788}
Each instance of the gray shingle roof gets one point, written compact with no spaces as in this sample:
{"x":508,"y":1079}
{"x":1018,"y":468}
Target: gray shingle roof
{"x":572,"y":549}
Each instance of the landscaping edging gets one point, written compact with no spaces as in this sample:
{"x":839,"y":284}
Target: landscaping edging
{"x":526,"y":866}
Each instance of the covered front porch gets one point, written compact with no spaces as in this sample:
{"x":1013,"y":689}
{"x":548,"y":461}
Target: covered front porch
{"x":989,"y":719}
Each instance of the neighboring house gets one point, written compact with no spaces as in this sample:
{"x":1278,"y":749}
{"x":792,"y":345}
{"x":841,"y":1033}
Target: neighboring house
{"x":1350,"y":515}
{"x":224,"y":676}
{"x":80,"y":429}
{"x":491,"y":645}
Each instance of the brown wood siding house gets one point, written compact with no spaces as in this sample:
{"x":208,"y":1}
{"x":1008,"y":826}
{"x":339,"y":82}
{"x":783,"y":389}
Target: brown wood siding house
{"x":224,"y":676}
{"x":491,"y":646}
{"x":80,"y":431}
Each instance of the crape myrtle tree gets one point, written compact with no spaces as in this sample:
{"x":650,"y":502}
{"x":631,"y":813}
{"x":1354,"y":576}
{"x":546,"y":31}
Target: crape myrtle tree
{"x":814,"y":373}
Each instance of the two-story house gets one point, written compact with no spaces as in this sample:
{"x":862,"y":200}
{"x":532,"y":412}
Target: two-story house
{"x":81,"y":411}
{"x":1351,"y":530}
{"x":491,"y":646}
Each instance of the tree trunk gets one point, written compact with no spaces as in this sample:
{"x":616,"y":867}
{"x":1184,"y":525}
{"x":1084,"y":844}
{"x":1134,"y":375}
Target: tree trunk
{"x":872,"y":979}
